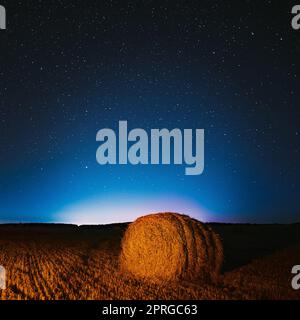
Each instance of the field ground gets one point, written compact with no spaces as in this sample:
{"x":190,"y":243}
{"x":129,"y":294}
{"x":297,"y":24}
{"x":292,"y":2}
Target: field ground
{"x":70,"y":262}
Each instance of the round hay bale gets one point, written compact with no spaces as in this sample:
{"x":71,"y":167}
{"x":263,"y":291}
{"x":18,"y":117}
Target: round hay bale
{"x":169,"y":246}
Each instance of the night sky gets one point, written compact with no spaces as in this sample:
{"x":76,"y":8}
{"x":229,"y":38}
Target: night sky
{"x":70,"y":68}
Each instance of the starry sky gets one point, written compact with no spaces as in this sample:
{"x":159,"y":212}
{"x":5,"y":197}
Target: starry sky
{"x":70,"y":68}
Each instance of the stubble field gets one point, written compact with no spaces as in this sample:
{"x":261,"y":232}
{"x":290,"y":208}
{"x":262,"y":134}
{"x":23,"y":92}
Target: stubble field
{"x":70,"y":262}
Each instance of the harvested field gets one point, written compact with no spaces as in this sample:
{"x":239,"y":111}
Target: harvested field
{"x":70,"y":262}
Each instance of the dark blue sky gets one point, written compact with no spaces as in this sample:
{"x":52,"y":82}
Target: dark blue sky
{"x":68,"y":69}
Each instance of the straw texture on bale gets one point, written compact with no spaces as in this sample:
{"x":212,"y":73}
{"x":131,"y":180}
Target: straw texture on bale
{"x":169,"y":246}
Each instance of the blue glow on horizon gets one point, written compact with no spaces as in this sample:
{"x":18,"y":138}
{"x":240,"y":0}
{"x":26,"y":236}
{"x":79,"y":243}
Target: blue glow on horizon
{"x":126,"y":208}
